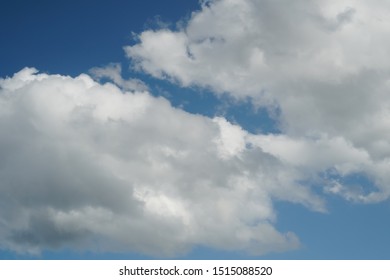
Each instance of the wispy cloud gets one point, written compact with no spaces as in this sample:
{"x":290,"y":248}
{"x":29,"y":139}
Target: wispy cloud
{"x":113,"y":73}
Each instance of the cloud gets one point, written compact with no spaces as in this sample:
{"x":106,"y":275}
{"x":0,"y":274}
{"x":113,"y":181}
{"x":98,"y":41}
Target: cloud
{"x":89,"y":166}
{"x":323,"y":65}
{"x":106,"y":166}
{"x":112,"y":72}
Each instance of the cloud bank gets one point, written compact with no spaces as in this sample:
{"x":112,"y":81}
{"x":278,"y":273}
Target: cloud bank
{"x":108,"y":167}
{"x":92,"y":167}
{"x":324,"y":65}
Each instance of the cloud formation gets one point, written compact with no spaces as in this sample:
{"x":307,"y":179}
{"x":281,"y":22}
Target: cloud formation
{"x":88,"y":166}
{"x":324,"y":65}
{"x":108,"y":167}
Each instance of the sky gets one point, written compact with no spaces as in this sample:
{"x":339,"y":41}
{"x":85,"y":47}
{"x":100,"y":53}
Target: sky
{"x":221,"y":129}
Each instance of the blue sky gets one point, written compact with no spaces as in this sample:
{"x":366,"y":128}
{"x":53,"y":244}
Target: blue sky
{"x":176,"y":129}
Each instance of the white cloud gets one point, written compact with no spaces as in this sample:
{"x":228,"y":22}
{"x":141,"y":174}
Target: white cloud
{"x":88,"y":166}
{"x":231,"y":141}
{"x":109,"y":167}
{"x":324,"y":64}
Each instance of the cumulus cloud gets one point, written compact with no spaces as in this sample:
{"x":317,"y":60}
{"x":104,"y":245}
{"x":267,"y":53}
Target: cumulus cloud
{"x":90,"y":166}
{"x":106,"y":166}
{"x":323,"y":64}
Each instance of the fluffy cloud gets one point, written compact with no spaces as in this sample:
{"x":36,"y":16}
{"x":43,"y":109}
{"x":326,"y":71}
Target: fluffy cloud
{"x":323,"y":64}
{"x":86,"y":165}
{"x":96,"y":166}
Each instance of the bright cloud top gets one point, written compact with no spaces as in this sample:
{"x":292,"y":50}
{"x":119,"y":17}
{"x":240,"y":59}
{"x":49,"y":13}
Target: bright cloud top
{"x":323,"y":64}
{"x":89,"y":166}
